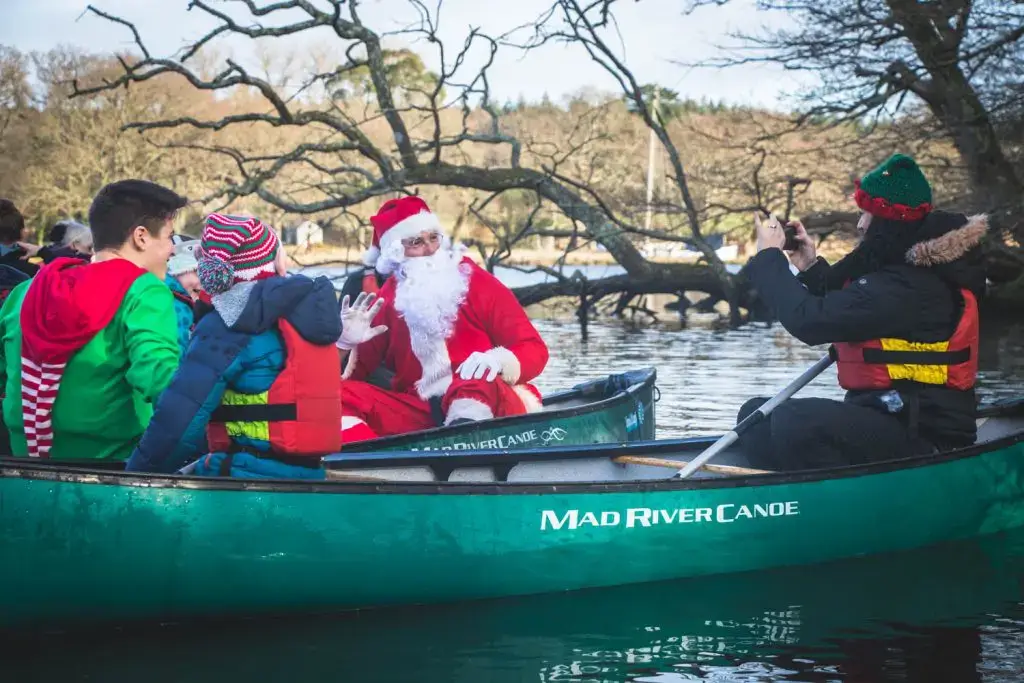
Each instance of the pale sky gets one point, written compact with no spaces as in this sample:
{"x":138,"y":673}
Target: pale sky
{"x":655,"y":33}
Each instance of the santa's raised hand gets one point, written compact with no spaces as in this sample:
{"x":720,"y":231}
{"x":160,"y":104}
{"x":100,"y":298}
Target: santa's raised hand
{"x":357,"y":321}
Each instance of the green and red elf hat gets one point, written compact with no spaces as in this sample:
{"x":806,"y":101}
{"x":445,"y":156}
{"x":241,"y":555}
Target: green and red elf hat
{"x":897,"y":190}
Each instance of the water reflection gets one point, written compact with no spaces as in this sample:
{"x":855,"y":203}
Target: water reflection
{"x":945,"y":614}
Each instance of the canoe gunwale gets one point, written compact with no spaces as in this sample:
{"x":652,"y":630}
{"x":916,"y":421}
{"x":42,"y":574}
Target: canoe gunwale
{"x":18,"y":468}
{"x":650,"y":377}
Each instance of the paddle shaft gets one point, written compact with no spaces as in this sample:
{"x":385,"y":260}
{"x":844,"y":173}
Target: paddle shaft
{"x":755,"y":417}
{"x":664,"y":462}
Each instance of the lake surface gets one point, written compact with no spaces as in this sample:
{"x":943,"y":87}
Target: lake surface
{"x":952,"y":613}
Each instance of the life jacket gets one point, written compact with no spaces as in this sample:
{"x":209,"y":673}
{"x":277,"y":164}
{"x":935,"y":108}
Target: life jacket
{"x":878,"y":363}
{"x":370,"y":285}
{"x":183,"y":298}
{"x":300,"y":415}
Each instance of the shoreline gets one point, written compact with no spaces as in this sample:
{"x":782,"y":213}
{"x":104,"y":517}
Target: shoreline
{"x":326,"y":256}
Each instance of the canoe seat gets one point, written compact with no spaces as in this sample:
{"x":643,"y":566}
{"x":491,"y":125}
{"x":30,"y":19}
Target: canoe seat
{"x":595,"y":390}
{"x":992,"y":428}
{"x":1000,"y":419}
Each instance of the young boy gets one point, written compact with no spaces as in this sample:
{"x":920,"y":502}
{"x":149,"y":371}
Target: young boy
{"x":260,"y":379}
{"x":183,"y":280}
{"x":87,"y":348}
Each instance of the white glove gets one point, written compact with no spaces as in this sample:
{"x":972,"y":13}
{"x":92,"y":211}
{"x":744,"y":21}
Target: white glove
{"x":356,"y":321}
{"x":479,"y":364}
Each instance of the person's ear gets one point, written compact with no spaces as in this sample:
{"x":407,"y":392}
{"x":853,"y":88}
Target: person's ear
{"x":140,"y":237}
{"x":281,"y":262}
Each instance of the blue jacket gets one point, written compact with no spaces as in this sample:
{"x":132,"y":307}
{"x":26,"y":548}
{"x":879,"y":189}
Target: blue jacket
{"x":245,"y":357}
{"x":184,"y":311}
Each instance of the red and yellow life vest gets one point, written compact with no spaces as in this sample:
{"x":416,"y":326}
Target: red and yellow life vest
{"x":876,"y":364}
{"x":301,"y":413}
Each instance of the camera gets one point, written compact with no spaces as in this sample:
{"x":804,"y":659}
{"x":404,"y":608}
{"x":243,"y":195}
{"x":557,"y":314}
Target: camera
{"x":792,"y":244}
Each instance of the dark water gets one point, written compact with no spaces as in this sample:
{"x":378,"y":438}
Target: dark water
{"x":952,"y":613}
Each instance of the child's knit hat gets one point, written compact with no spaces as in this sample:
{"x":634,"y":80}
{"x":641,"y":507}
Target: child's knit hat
{"x":235,"y":249}
{"x":185,"y":256}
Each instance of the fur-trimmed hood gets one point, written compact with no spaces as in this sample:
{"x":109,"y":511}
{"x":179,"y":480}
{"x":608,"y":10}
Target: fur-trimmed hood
{"x":950,"y":245}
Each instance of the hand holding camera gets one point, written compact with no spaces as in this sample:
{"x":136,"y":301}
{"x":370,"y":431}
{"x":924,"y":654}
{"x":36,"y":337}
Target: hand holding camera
{"x":791,"y":238}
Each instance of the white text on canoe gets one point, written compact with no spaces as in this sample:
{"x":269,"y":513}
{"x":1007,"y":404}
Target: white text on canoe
{"x":727,"y":513}
{"x":544,"y":436}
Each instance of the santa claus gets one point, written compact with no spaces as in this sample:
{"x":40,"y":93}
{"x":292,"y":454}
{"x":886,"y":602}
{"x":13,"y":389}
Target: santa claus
{"x":458,"y":342}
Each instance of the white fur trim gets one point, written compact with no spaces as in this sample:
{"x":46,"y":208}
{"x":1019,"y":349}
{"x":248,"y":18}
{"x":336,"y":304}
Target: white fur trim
{"x":410,"y":227}
{"x":347,"y":422}
{"x":435,"y":385}
{"x":371,"y":255}
{"x":468,"y":408}
{"x":529,"y":399}
{"x":511,"y":368}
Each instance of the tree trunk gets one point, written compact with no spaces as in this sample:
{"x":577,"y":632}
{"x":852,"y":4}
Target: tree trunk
{"x":954,"y":101}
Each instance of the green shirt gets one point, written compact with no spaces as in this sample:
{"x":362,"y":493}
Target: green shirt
{"x":110,"y":385}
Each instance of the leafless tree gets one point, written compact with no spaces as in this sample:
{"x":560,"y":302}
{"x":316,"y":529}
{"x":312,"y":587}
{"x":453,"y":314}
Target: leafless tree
{"x":878,"y":60}
{"x":381,"y":145}
{"x":592,"y":26}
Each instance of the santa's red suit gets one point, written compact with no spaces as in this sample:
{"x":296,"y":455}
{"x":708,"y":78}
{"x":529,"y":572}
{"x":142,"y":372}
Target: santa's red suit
{"x":436,"y":321}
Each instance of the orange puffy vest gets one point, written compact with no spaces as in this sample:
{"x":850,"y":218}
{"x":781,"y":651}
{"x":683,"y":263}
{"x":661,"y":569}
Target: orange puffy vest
{"x":300,"y":415}
{"x":876,"y":364}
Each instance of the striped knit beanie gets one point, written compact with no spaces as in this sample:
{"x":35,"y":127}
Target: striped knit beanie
{"x":235,"y":249}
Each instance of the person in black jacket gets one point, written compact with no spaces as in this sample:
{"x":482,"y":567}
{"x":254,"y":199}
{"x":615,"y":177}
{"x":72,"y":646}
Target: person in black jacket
{"x":900,"y":312}
{"x":68,"y":239}
{"x":12,"y":233}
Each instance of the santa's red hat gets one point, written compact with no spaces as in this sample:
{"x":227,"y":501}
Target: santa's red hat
{"x":397,"y":220}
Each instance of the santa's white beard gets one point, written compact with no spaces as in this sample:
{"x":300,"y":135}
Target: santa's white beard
{"x":428,"y":295}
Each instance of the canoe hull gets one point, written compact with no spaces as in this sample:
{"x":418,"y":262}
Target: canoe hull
{"x":83,"y":547}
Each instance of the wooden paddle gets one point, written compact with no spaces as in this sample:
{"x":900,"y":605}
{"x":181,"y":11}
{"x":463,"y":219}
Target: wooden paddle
{"x":664,"y":462}
{"x":754,"y":418}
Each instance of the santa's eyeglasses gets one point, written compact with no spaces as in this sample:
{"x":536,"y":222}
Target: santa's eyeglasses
{"x":414,"y":242}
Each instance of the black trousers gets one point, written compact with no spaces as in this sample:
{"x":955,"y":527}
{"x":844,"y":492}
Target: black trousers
{"x":808,"y":433}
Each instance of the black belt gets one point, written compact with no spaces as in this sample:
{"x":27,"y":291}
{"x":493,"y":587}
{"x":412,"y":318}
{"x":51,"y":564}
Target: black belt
{"x":436,"y":413}
{"x":271,"y":412}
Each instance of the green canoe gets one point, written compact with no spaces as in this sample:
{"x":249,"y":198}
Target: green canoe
{"x":612,"y":409}
{"x":83,"y":545}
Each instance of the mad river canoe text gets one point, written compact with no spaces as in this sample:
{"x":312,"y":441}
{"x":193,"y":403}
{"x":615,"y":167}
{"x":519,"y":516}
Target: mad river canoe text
{"x":726,"y":513}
